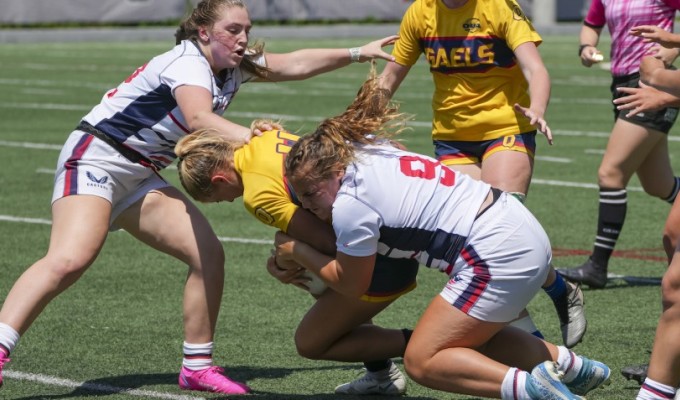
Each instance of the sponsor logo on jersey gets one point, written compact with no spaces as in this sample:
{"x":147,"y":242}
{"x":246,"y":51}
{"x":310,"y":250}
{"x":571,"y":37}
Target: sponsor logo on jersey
{"x":472,"y":25}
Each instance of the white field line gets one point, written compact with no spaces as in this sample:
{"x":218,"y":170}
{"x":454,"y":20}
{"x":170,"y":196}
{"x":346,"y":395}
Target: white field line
{"x":94,"y":387}
{"x":41,"y":221}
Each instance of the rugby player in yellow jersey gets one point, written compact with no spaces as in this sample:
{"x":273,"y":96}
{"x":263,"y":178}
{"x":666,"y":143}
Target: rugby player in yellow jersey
{"x":491,"y":91}
{"x":212,"y":169}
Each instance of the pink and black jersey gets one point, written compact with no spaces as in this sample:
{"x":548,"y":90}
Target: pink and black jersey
{"x":622,"y":15}
{"x":405,"y":205}
{"x":141,"y":112}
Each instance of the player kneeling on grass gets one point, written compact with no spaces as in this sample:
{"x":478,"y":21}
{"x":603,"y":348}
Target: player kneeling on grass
{"x":385,"y":201}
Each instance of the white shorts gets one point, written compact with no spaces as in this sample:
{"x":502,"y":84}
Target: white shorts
{"x":504,"y":263}
{"x":89,"y":166}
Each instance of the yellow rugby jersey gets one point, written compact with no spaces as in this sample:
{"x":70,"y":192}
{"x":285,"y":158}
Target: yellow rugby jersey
{"x":266,"y":194}
{"x":476,"y":76}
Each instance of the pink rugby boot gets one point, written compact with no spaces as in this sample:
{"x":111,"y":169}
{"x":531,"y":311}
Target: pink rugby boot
{"x":210,"y":380}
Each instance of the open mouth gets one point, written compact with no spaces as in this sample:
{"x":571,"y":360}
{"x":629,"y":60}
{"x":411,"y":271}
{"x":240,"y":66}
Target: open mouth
{"x":240,"y":53}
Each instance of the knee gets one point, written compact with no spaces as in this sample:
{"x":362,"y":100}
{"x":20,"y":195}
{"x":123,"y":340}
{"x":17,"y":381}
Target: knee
{"x":610,"y":177}
{"x":209,"y":259}
{"x":308,"y":348}
{"x":415,"y":366}
{"x":670,"y":293}
{"x":66,"y":269}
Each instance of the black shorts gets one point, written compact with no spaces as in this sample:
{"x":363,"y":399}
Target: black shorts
{"x":661,"y":120}
{"x":392,"y":278}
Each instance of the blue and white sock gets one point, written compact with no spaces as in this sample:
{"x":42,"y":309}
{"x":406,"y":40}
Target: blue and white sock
{"x":653,"y":390}
{"x":514,"y":385}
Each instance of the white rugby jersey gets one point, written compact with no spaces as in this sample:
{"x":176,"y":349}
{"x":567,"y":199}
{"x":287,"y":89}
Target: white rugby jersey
{"x":142,"y":113}
{"x":405,"y":205}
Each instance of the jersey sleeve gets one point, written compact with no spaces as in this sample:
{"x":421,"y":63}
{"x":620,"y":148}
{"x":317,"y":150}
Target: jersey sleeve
{"x":673,"y":4}
{"x":192,"y":71}
{"x":267,"y":201}
{"x":407,"y":48}
{"x":515,"y":27}
{"x":596,"y":17}
{"x":356,"y":225}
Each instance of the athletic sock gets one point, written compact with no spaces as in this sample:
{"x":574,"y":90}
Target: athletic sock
{"x":527,"y":325}
{"x":9,"y":338}
{"x":197,"y":356}
{"x":674,"y":193}
{"x":568,"y":363}
{"x":557,"y":290}
{"x":653,"y":390}
{"x":379,"y":365}
{"x":612,"y":214}
{"x":407,"y":335}
{"x":514,"y":385}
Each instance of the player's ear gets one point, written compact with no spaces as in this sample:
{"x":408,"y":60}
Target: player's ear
{"x":219,"y":177}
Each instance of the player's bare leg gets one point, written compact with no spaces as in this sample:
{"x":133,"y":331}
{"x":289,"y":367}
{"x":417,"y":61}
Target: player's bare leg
{"x":73,"y":247}
{"x":188,"y":237}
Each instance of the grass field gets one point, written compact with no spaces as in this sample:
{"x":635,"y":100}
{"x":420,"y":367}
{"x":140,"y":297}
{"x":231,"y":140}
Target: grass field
{"x":118,"y":332}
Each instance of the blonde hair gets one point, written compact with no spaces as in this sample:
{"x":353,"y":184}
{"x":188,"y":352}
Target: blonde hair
{"x":201,"y":154}
{"x":370,"y":117}
{"x":206,"y":13}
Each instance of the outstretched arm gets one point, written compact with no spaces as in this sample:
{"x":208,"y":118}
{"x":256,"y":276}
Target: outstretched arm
{"x":305,"y":63}
{"x":653,"y":33}
{"x":643,"y":99}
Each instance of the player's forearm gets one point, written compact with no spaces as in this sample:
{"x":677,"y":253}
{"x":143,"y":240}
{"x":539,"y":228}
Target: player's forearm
{"x":325,"y":267}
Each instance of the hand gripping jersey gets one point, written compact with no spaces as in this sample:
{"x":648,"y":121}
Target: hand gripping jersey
{"x":476,"y":76}
{"x":267,"y":194}
{"x":405,"y":205}
{"x":142,"y":114}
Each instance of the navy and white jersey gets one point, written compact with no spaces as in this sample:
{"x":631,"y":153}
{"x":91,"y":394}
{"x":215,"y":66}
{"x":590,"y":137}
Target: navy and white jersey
{"x":142,"y":112}
{"x":405,"y":205}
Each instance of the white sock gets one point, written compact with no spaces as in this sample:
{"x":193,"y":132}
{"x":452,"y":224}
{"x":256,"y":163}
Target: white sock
{"x":8,"y":338}
{"x":568,"y":363}
{"x":197,"y":356}
{"x":653,"y":390}
{"x":527,"y":325}
{"x":513,"y":386}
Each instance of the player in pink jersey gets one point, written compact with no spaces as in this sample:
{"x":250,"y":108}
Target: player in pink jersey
{"x":638,"y":143}
{"x":107,"y":173}
{"x":659,"y":88}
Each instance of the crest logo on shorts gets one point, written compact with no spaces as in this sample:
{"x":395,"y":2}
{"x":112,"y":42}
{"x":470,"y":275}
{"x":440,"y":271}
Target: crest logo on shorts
{"x":94,"y":179}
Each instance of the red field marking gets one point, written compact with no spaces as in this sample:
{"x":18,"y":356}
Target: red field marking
{"x":651,"y":254}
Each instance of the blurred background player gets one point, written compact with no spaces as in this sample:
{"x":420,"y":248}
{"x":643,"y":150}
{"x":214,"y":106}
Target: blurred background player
{"x":638,"y":143}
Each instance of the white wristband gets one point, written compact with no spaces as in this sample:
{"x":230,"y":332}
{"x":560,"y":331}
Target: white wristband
{"x":354,"y":54}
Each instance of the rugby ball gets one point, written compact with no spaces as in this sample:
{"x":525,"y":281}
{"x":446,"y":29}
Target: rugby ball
{"x":315,"y":285}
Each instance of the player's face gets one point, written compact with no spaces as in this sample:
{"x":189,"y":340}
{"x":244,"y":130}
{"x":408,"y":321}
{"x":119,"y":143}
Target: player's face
{"x":318,"y":197}
{"x":228,"y":38}
{"x":227,"y":186}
